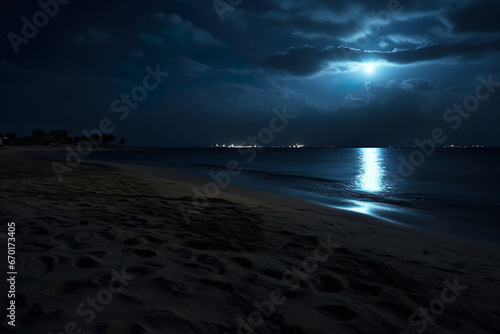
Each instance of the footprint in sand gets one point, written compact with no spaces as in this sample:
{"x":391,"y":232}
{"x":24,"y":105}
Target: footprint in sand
{"x":244,"y":262}
{"x":143,"y":252}
{"x":87,"y":262}
{"x":365,"y":288}
{"x":272,"y":273}
{"x":34,"y":247}
{"x":39,"y":265}
{"x":142,"y":240}
{"x":339,"y":312}
{"x":330,"y":284}
{"x":72,"y":286}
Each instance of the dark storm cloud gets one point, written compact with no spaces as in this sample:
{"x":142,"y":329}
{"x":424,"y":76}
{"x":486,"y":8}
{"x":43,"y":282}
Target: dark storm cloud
{"x":343,"y":6}
{"x":440,"y":51}
{"x":336,"y":20}
{"x":421,"y":31}
{"x":304,"y":60}
{"x":307,"y":60}
{"x":173,"y":30}
{"x":414,"y":23}
{"x":302,"y":24}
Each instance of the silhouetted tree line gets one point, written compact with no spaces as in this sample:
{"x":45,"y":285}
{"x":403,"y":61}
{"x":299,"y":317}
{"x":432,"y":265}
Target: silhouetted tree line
{"x":58,"y":137}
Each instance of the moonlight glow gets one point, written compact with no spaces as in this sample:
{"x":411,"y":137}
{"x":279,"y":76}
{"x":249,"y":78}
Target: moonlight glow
{"x":370,"y":67}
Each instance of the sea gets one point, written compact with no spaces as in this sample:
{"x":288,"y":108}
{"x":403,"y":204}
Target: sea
{"x":452,"y":191}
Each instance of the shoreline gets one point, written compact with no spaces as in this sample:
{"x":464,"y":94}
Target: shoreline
{"x":199,"y":181}
{"x":196,"y":181}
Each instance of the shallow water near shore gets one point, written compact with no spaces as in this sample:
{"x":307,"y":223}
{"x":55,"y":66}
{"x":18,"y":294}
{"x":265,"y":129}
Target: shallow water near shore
{"x":453,"y":191}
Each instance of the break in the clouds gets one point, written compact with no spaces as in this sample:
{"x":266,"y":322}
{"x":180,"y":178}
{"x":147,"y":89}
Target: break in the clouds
{"x":366,"y":72}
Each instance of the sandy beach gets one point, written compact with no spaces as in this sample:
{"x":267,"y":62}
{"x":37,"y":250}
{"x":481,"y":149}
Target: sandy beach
{"x":109,"y":251}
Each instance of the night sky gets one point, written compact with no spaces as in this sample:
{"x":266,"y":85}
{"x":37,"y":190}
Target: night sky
{"x":353,"y":72}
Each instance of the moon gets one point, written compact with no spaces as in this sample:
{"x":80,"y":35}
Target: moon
{"x":370,"y":68}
